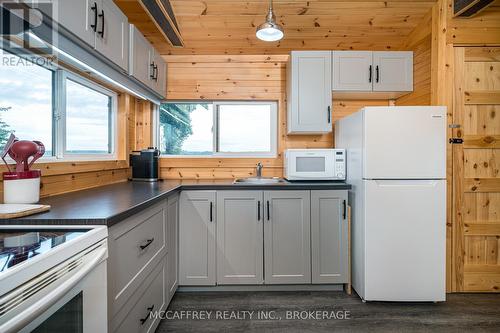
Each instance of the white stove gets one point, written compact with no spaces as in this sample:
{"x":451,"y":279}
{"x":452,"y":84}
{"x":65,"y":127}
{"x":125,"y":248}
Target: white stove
{"x":52,"y":272}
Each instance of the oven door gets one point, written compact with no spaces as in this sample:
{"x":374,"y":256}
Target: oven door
{"x":71,"y":297}
{"x":311,"y":165}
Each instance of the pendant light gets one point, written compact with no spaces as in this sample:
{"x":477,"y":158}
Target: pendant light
{"x":270,"y":31}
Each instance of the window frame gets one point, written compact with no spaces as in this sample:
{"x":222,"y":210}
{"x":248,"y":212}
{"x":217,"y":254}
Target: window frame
{"x":60,"y":120}
{"x":59,"y":77}
{"x":215,"y":133}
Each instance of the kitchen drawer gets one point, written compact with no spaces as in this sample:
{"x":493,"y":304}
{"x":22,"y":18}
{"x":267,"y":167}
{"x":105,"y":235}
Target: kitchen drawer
{"x":150,"y":297}
{"x":136,"y":246}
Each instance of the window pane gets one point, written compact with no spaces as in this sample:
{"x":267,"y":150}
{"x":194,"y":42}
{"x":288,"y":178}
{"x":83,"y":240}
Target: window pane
{"x":87,"y":120}
{"x":186,"y":128}
{"x":245,"y":128}
{"x":25,"y":101}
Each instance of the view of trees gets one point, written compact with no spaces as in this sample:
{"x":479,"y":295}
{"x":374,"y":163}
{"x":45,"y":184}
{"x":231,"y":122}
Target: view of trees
{"x":5,"y":131}
{"x":175,"y":123}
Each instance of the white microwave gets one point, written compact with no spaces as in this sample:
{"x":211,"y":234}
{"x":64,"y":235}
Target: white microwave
{"x":315,"y":164}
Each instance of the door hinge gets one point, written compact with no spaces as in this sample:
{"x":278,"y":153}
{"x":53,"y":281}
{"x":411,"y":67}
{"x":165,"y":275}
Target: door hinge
{"x":456,"y":141}
{"x":454,"y":126}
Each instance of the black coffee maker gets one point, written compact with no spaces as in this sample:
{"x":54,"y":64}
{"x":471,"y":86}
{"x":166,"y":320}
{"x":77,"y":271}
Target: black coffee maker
{"x":144,"y":164}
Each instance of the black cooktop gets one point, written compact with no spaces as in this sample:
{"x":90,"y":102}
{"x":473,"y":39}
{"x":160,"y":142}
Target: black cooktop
{"x":19,"y":245}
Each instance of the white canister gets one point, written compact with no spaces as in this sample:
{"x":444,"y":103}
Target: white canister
{"x":21,"y":187}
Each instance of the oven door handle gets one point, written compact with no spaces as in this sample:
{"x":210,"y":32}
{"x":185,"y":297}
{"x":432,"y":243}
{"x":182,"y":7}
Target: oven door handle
{"x":38,"y":308}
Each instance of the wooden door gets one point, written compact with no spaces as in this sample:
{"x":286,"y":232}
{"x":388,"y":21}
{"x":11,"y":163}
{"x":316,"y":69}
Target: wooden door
{"x":240,"y":237}
{"x":352,"y":71}
{"x":287,"y":242}
{"x":310,"y":92}
{"x":393,"y":71}
{"x":329,"y":237}
{"x":197,"y":228}
{"x":476,"y":165}
{"x":113,"y":34}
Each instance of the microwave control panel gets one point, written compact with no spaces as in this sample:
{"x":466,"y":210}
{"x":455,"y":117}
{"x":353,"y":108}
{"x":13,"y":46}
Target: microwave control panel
{"x":340,"y":163}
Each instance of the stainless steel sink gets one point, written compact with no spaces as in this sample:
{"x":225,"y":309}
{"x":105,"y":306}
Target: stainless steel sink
{"x":259,"y":180}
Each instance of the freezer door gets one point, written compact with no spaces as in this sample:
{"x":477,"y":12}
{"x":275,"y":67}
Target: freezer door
{"x":404,"y":142}
{"x":405,"y":240}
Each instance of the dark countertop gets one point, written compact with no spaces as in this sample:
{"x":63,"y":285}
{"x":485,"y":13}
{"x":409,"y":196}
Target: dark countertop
{"x":110,"y":204}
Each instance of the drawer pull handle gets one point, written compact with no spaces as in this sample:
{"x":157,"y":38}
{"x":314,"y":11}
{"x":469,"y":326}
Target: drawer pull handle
{"x":103,"y":23}
{"x":94,"y":9}
{"x":344,"y":211}
{"x":145,"y":319}
{"x":268,"y":213}
{"x":258,"y":210}
{"x":148,"y":242}
{"x":211,"y":211}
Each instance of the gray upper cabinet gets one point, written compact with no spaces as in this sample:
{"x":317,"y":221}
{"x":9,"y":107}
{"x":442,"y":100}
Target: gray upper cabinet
{"x":239,"y":237}
{"x":393,"y":71}
{"x":146,"y":64}
{"x":79,"y":17}
{"x":287,"y":251}
{"x":159,"y":80}
{"x":309,"y":92}
{"x":112,"y":34}
{"x":172,"y":246}
{"x":197,"y":227}
{"x":329,"y":237}
{"x":99,"y":23}
{"x":352,"y":70}
{"x":141,"y":54}
{"x":367,"y":74}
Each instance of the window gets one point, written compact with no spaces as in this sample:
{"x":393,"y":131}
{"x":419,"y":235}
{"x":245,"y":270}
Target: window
{"x":95,"y":118}
{"x":242,"y":129}
{"x":26,"y":102}
{"x":72,"y":116}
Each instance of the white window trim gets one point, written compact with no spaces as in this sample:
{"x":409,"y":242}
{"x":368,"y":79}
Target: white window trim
{"x":274,"y":130}
{"x":61,"y":152}
{"x":59,"y":76}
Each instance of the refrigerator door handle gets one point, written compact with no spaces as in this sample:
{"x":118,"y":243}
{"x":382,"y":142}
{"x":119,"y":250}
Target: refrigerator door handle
{"x":406,"y":182}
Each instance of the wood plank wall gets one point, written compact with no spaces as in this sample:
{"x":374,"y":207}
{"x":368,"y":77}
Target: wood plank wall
{"x":240,"y":77}
{"x":63,"y":177}
{"x":420,"y":42}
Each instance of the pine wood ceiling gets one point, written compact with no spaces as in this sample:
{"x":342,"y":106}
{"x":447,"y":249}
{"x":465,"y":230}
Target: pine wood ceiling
{"x":228,"y":26}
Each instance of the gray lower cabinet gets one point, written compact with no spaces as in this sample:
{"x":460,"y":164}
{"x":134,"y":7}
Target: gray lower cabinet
{"x":172,"y":246}
{"x":197,"y":227}
{"x":239,"y":237}
{"x":329,"y":237}
{"x":136,"y":248}
{"x":253,"y":237}
{"x":143,"y":266}
{"x":287,"y":242}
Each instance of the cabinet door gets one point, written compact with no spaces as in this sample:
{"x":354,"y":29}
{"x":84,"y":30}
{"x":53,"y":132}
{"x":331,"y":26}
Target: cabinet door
{"x":160,"y":75}
{"x":141,"y":56}
{"x":112,"y":34}
{"x":352,"y":70}
{"x":172,"y":246}
{"x":310,"y":92}
{"x":329,"y":236}
{"x":79,"y":17}
{"x":197,"y":238}
{"x":393,"y":71}
{"x":239,"y":237}
{"x":287,"y":251}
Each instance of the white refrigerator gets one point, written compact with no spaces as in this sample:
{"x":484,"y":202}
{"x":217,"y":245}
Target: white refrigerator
{"x":396,"y":164}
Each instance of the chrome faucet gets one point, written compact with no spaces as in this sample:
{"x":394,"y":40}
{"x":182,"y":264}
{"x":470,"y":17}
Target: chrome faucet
{"x":259,"y":169}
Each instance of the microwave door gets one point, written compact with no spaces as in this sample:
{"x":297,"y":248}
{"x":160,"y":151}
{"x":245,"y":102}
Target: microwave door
{"x":312,"y":166}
